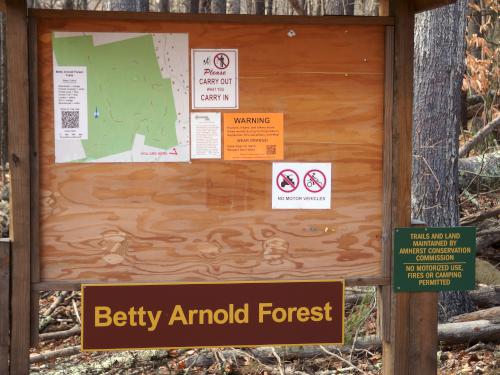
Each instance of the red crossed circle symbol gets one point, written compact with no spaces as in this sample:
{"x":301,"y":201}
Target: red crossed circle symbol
{"x":221,"y":61}
{"x":314,"y":180}
{"x":287,"y":180}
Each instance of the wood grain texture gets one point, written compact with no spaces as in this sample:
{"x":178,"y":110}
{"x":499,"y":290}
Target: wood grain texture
{"x":212,"y":220}
{"x":4,"y":305}
{"x":19,"y":162}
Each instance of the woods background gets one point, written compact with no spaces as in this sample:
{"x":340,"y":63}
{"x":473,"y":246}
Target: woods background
{"x":456,"y":135}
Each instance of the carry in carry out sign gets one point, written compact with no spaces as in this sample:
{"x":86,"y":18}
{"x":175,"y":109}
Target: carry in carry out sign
{"x":302,"y":185}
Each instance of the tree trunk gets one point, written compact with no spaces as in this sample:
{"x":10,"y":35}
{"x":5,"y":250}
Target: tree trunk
{"x":128,"y":5}
{"x":439,"y":68}
{"x":339,"y":7}
{"x":218,"y":6}
{"x":260,"y":7}
{"x":69,"y":4}
{"x":204,"y":6}
{"x":234,"y":7}
{"x":164,"y":6}
{"x":269,"y":7}
{"x":195,"y":5}
{"x":366,"y":8}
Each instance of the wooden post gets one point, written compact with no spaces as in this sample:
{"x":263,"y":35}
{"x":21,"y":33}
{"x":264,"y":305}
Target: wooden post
{"x":19,"y":160}
{"x":4,"y":305}
{"x":409,"y":336}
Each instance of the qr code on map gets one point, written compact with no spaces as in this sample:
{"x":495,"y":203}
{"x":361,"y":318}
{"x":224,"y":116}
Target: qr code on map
{"x":271,"y":150}
{"x":70,"y":119}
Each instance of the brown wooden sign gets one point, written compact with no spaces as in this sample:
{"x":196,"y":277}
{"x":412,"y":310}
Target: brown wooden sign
{"x":143,"y":316}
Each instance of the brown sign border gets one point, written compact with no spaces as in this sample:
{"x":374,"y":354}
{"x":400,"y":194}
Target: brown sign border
{"x":342,"y":281}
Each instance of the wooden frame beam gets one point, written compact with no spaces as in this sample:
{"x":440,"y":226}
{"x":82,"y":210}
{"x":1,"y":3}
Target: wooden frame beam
{"x":4,"y":305}
{"x":409,"y":333}
{"x":19,"y":161}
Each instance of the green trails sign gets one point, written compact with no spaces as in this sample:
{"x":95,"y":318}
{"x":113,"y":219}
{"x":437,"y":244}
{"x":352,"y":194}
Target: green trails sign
{"x":434,"y":259}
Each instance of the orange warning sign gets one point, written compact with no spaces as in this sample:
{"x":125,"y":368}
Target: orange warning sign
{"x":253,"y":136}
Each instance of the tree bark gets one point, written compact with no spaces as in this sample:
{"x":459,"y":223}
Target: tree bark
{"x":438,"y":71}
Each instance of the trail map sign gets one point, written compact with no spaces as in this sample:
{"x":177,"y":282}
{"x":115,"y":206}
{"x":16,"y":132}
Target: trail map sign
{"x":434,"y":259}
{"x":212,"y":314}
{"x":121,"y":97}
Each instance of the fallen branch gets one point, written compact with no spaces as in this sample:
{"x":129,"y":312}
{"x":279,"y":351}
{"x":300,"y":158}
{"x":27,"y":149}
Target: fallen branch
{"x":47,"y":314}
{"x":66,"y":352}
{"x":479,"y":173}
{"x":487,"y":238}
{"x":478,"y":137}
{"x":492,"y":315}
{"x":469,"y":332}
{"x":486,"y":296}
{"x":480,"y":216}
{"x":57,"y":335}
{"x":56,"y":303}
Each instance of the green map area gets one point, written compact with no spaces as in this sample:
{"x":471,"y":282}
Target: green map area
{"x":126,"y":93}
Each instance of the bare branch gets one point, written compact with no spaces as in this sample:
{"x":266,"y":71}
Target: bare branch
{"x":481,"y":134}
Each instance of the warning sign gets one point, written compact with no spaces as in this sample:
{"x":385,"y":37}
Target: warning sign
{"x":302,"y":185}
{"x":253,"y":136}
{"x":214,"y":75}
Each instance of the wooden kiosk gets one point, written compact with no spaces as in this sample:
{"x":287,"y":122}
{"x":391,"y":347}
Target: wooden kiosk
{"x":344,"y":85}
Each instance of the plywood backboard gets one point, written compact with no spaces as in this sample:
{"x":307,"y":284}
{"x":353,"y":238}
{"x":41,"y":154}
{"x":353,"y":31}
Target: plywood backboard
{"x":212,"y":220}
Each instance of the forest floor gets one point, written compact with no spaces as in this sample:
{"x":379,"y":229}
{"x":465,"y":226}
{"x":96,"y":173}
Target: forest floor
{"x":461,"y":359}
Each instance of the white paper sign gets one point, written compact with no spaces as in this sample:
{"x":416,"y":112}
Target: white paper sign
{"x":302,"y":186}
{"x":70,"y":102}
{"x":214,"y":78}
{"x":205,"y":135}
